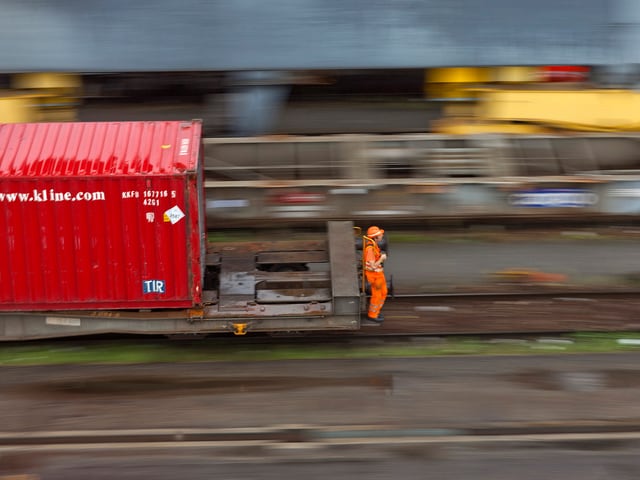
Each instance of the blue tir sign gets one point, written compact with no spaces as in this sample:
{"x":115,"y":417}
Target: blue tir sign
{"x":554,"y":198}
{"x":153,"y":286}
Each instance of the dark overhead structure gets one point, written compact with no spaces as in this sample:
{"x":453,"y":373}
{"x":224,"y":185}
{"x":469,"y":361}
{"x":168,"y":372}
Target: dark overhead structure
{"x":219,"y":35}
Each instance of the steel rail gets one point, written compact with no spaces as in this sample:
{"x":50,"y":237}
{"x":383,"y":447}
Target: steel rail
{"x":564,"y":293}
{"x":310,"y":436}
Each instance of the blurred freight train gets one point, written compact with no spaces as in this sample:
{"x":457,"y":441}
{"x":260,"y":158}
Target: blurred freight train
{"x":446,"y":100}
{"x":511,"y":146}
{"x":510,"y":150}
{"x":104,"y":231}
{"x":422,"y":178}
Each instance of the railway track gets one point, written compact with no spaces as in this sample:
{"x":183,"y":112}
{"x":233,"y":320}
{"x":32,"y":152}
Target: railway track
{"x":483,"y":314}
{"x":261,"y":441}
{"x":510,"y":312}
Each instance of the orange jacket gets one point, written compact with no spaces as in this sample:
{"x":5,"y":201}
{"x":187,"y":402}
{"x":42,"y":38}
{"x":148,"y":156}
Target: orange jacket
{"x":372,"y":256}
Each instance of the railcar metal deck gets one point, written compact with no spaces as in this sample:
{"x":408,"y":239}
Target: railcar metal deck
{"x":272,"y":286}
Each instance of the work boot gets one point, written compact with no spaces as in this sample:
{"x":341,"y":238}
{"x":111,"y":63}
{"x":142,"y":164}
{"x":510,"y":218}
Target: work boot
{"x":378,"y":319}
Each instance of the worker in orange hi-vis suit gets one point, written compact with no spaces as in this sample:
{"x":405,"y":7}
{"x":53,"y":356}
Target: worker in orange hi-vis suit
{"x":372,"y":260}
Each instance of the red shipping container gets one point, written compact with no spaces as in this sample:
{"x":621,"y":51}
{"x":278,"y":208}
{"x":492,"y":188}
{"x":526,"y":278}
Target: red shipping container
{"x":101,"y":216}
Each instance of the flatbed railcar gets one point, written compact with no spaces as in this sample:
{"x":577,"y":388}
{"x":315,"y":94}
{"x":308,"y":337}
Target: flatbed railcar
{"x":106,"y":233}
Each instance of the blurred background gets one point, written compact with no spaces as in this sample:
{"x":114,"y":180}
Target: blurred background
{"x":417,"y":113}
{"x":409,"y":111}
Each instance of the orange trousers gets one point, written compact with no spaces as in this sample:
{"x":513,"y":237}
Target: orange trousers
{"x":378,"y":292}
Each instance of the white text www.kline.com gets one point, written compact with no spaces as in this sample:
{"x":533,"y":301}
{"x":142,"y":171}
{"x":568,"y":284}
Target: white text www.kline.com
{"x":44,"y":195}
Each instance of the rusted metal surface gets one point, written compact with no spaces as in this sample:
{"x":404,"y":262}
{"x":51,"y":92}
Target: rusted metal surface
{"x":294,"y":295}
{"x":309,"y":256}
{"x":247,"y":290}
{"x":344,"y":267}
{"x":282,"y":246}
{"x":237,"y":282}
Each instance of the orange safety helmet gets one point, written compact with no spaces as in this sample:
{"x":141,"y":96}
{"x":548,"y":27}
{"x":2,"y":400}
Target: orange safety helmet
{"x":374,"y":232}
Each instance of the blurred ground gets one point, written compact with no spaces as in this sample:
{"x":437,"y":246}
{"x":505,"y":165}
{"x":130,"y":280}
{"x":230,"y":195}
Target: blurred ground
{"x":591,"y":258}
{"x":434,"y":396}
{"x":444,"y":392}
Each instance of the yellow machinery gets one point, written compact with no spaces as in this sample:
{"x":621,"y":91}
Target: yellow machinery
{"x":528,"y":100}
{"x":460,"y":84}
{"x":41,"y":97}
{"x":589,"y":110}
{"x":545,"y":110}
{"x":453,"y":84}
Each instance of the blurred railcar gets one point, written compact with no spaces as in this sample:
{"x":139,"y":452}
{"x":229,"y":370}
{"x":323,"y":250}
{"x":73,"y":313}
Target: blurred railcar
{"x":105,"y":232}
{"x":420,"y":178}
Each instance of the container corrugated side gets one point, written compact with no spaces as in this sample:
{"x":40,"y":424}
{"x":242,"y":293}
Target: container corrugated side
{"x":101,"y":242}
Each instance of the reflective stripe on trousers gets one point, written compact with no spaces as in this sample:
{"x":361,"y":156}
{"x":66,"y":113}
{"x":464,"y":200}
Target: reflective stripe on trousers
{"x":378,"y":292}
